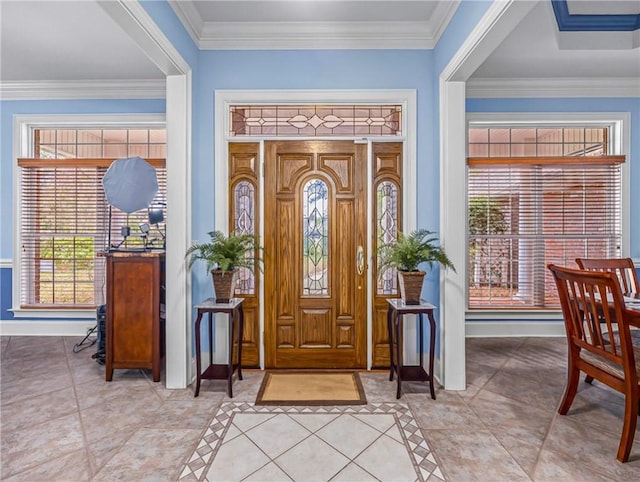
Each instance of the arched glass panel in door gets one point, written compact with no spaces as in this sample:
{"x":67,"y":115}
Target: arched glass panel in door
{"x":315,"y":238}
{"x":244,"y":223}
{"x":386,"y":232}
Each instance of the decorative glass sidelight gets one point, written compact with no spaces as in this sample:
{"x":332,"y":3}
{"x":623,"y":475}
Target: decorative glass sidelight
{"x":243,"y":204}
{"x":315,"y":120}
{"x":387,"y":232}
{"x":315,"y":238}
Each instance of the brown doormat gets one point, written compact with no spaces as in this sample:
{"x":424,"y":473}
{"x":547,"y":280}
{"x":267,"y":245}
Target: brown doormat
{"x":302,"y":388}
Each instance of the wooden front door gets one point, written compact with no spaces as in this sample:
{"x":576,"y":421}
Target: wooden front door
{"x":314,"y":251}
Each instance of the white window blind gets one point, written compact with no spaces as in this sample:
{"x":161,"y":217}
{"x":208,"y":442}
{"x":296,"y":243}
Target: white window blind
{"x":64,"y":228}
{"x":527,"y":212}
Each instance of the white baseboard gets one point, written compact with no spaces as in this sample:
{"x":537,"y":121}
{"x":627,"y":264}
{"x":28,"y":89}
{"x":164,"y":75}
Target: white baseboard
{"x":487,"y":329}
{"x":45,"y":328}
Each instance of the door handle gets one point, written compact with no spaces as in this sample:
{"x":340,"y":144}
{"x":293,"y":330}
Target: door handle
{"x":360,"y":260}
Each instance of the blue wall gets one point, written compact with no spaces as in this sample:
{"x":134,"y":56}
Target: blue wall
{"x":307,"y":69}
{"x":8,"y":109}
{"x":164,"y":16}
{"x":631,"y":105}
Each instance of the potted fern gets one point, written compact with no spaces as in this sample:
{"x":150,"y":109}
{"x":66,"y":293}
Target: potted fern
{"x":224,"y":256}
{"x":406,"y":254}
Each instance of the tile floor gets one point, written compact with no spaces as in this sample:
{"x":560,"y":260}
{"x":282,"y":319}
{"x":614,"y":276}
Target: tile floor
{"x":60,"y":421}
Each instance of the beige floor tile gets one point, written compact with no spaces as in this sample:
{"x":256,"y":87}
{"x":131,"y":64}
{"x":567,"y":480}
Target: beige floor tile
{"x":474,"y":455}
{"x":313,"y":423}
{"x":387,"y":459}
{"x":448,"y":411}
{"x":528,"y":391}
{"x":349,"y":435}
{"x":591,"y":447}
{"x":24,"y":388}
{"x":269,"y":473}
{"x":27,"y":448}
{"x":312,"y":460}
{"x":22,"y":414}
{"x":553,"y":466}
{"x":276,"y":435}
{"x":72,"y":467}
{"x":138,"y":458}
{"x":354,"y":473}
{"x":236,"y":460}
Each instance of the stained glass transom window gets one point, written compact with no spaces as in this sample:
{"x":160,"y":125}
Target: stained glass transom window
{"x":315,"y":238}
{"x":315,"y":120}
{"x":244,"y":202}
{"x":386,"y":232}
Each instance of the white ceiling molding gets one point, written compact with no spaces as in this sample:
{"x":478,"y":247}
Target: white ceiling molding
{"x":314,"y":35}
{"x":139,"y":25}
{"x":598,"y":40}
{"x":317,"y":35}
{"x":84,"y":89}
{"x":487,"y":88}
{"x":190,"y":18}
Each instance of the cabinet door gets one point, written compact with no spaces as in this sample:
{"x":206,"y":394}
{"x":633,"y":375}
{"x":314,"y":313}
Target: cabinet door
{"x":134,"y":305}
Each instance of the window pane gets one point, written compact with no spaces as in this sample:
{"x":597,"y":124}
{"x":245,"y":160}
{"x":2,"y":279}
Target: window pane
{"x":244,"y":222}
{"x":523,"y":135}
{"x":387,"y":232}
{"x":499,"y":136}
{"x":478,"y":135}
{"x":532,"y":142}
{"x":315,"y":120}
{"x":315,"y":238}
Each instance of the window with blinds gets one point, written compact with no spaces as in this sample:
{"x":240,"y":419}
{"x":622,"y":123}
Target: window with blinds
{"x":527,"y":209}
{"x":64,"y":215}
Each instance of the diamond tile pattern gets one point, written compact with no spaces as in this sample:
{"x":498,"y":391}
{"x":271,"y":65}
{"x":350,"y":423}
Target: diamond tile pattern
{"x":378,"y":441}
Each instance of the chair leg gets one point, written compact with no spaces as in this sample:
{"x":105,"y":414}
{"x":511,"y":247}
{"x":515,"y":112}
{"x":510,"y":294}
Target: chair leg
{"x":628,"y":427}
{"x":573,"y":378}
{"x":588,"y":379}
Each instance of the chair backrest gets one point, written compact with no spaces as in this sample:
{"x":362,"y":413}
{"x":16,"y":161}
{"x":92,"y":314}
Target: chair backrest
{"x":596,"y":320}
{"x":622,"y":267}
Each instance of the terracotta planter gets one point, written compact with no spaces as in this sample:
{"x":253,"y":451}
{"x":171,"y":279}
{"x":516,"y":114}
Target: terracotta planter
{"x":224,"y":285}
{"x":410,"y":283}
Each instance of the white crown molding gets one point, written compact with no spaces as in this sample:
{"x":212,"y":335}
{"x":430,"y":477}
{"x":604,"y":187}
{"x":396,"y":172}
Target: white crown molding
{"x":591,"y":40}
{"x":441,"y":17}
{"x":492,"y":88}
{"x":314,"y":35}
{"x":317,"y":35}
{"x":84,"y":89}
{"x":190,"y":18}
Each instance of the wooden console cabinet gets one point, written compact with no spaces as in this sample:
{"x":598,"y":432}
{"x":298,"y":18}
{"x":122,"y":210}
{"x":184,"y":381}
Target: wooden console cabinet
{"x":135,"y":311}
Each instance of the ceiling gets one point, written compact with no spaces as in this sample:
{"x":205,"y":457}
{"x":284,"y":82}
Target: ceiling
{"x":55,"y":40}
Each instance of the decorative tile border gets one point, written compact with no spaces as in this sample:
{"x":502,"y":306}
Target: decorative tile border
{"x":420,"y":453}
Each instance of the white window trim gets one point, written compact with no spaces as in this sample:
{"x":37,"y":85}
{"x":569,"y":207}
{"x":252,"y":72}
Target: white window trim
{"x":619,"y":143}
{"x":23,"y":126}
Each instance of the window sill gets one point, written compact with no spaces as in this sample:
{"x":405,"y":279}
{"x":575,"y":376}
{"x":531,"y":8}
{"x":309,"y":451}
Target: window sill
{"x":49,"y":313}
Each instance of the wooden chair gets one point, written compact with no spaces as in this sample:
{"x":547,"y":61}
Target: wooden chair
{"x":627,"y":276}
{"x":597,"y":326}
{"x":622,"y":267}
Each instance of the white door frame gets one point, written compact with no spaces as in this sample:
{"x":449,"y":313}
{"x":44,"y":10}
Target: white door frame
{"x":499,"y":20}
{"x":226,"y":98}
{"x":137,"y":23}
